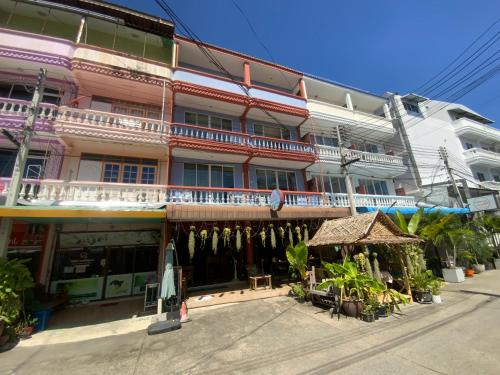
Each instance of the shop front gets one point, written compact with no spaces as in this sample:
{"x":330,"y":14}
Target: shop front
{"x":97,"y":265}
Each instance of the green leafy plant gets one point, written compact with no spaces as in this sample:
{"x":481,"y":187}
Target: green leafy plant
{"x":297,"y":258}
{"x":15,"y":279}
{"x":436,"y":286}
{"x":423,"y":281}
{"x":24,"y":323}
{"x":489,"y":226}
{"x":299,"y":291}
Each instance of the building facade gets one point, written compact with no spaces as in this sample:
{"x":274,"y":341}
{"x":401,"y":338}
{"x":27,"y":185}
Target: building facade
{"x":144,"y":136}
{"x":436,"y":131}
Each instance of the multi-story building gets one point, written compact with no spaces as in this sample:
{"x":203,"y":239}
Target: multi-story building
{"x":466,"y":139}
{"x":145,"y":136}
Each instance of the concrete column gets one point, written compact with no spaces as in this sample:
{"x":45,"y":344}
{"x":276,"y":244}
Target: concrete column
{"x":387,"y":113}
{"x":175,"y":55}
{"x":348,"y":101}
{"x":303,"y":90}
{"x":246,"y":74}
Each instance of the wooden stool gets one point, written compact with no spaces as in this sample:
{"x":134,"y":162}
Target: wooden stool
{"x":254,"y":280}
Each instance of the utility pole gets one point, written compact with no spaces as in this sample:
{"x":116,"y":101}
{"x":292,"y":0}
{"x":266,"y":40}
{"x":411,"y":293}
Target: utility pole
{"x":443,"y":153}
{"x":345,"y":172}
{"x":22,"y":157}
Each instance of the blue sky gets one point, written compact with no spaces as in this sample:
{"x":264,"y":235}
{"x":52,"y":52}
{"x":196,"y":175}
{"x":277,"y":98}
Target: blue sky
{"x":378,"y":46}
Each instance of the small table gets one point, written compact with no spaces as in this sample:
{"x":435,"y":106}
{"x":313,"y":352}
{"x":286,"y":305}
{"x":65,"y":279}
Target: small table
{"x":254,"y":280}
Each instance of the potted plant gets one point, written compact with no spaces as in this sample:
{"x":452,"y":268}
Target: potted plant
{"x":489,"y":226}
{"x":421,"y":283}
{"x":465,"y":258}
{"x":299,"y":292}
{"x":436,"y":286}
{"x":24,"y":328}
{"x":448,"y":230}
{"x":368,"y":313}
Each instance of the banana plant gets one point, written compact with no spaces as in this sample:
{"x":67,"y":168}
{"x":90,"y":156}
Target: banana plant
{"x":297,"y":258}
{"x":412,"y":226}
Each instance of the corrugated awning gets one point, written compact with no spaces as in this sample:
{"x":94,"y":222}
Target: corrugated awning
{"x":242,"y":213}
{"x":412,"y":210}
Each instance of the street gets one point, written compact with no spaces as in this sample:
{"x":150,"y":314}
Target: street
{"x":279,"y":335}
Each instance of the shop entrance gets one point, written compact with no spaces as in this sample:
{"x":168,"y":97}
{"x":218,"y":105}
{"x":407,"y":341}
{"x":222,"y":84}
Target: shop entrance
{"x":105,"y":265}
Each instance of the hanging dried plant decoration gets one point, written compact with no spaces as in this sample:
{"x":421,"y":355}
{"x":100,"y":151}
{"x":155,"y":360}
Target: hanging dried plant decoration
{"x":238,"y":238}
{"x":215,"y":240}
{"x":248,"y":232}
{"x":263,"y":237}
{"x":203,"y":236}
{"x":281,"y":233}
{"x":191,"y":242}
{"x":376,"y":268}
{"x":299,"y":234}
{"x":290,"y":235}
{"x":226,"y":235}
{"x":273,"y":236}
{"x":306,"y":232}
{"x":368,"y":265}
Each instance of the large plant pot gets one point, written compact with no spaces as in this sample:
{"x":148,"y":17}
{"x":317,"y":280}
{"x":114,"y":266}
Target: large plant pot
{"x":453,"y":275}
{"x":369,"y":318}
{"x":352,"y":308}
{"x":423,"y":296}
{"x":497,"y":263}
{"x":436,"y":298}
{"x":478,"y":268}
{"x":469,"y":272}
{"x":381,"y":312}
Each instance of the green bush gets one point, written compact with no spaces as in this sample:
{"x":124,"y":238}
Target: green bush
{"x":15,"y":279}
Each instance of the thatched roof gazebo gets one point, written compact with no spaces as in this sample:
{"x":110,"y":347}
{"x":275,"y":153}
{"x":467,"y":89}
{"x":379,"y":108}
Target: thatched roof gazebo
{"x":371,"y":228}
{"x":365,"y":229}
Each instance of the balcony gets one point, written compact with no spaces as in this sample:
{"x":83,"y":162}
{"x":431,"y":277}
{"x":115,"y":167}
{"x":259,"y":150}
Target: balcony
{"x":325,"y":114}
{"x":86,"y":123}
{"x":81,"y":193}
{"x":13,"y":113}
{"x":475,"y":129}
{"x":478,"y":156}
{"x":384,"y":165}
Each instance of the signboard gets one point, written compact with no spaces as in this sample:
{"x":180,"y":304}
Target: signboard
{"x":141,"y":279}
{"x":484,"y":203}
{"x":118,"y":285}
{"x":85,"y":239}
{"x":277,"y":199}
{"x":79,"y":290}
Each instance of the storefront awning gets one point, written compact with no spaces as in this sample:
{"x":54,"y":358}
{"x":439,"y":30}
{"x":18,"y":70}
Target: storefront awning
{"x":412,"y":210}
{"x":61,"y":214}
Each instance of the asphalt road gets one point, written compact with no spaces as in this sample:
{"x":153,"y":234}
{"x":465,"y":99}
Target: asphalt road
{"x":278,"y":335}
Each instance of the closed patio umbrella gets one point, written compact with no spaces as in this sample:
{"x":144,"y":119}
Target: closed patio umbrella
{"x":168,"y":283}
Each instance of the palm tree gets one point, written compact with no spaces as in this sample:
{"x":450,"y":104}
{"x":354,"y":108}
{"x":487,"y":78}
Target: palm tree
{"x":489,"y":226}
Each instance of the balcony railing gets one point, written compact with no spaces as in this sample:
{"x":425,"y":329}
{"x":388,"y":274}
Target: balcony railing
{"x":280,"y":145}
{"x":137,"y":194}
{"x":481,"y":156}
{"x":329,"y":153}
{"x":467,"y":126}
{"x":110,"y":120}
{"x":15,"y":107}
{"x":208,"y":134}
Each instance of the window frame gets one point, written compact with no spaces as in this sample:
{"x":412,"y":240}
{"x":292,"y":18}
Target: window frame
{"x":209,"y":116}
{"x":280,"y":128}
{"x":288,"y":173}
{"x":224,"y":168}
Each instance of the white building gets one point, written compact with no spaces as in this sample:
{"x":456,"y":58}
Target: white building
{"x":471,"y":144}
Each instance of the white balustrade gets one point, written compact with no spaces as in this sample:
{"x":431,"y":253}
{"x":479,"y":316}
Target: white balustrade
{"x":14,"y":107}
{"x":110,"y":120}
{"x":236,"y":197}
{"x":368,"y":200}
{"x":333,"y":153}
{"x":280,"y":145}
{"x":209,"y":134}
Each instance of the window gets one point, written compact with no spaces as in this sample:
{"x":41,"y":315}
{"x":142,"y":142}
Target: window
{"x":480,"y":176}
{"x":269,"y":179}
{"x":270,"y":131}
{"x":332,"y":184}
{"x":25,"y":92}
{"x":371,"y":148}
{"x":468,"y":145}
{"x":214,"y":122}
{"x":208,"y":175}
{"x":326,"y":141}
{"x":410,"y":107}
{"x":34,"y":165}
{"x":375,"y":187}
{"x":126,"y":170}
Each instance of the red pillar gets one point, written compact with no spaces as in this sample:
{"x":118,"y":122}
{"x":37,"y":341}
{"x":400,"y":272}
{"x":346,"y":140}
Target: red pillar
{"x":302,"y":87}
{"x":246,"y":74}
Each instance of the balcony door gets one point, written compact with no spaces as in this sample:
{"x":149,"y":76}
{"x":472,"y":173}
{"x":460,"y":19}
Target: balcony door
{"x":269,"y":179}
